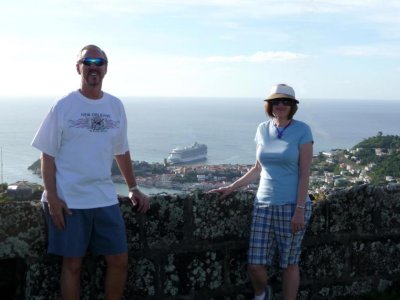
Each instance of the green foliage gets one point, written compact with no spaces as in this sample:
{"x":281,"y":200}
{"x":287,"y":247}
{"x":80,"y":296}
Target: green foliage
{"x":386,"y":165}
{"x":189,"y":177}
{"x":320,"y":165}
{"x":141,"y":168}
{"x":380,"y":141}
{"x":336,"y":169}
{"x":316,"y":184}
{"x":35,"y":166}
{"x":367,"y":155}
{"x":4,"y":198}
{"x":3,"y":187}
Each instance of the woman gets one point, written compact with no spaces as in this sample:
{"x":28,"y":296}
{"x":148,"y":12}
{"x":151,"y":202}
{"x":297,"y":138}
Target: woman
{"x":282,"y":206}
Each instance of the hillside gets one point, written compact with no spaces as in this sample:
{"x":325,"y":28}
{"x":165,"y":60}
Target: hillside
{"x":380,"y":141}
{"x":384,"y":152}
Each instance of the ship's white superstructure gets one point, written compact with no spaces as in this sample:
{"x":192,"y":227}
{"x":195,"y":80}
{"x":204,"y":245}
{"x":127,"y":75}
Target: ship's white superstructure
{"x":180,"y":155}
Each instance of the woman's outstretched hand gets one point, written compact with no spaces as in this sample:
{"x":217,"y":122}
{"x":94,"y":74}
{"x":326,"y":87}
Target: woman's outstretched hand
{"x":224,"y":191}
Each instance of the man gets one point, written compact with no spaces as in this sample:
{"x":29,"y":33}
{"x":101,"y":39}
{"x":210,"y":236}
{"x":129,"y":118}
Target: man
{"x":78,"y":139}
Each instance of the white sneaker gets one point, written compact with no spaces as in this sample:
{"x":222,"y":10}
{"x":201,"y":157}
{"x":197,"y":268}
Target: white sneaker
{"x":268,"y":292}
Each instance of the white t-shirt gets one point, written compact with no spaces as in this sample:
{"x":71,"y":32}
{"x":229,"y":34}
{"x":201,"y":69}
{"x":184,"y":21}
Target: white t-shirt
{"x":83,"y":135}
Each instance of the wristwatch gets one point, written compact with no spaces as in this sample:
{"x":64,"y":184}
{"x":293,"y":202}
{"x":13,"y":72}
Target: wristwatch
{"x":134,"y":188}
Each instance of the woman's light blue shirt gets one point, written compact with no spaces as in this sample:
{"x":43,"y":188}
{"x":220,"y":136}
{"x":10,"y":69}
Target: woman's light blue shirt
{"x":279,"y":159}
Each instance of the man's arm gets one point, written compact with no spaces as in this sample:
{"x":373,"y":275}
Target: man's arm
{"x":57,"y":207}
{"x":124,"y":162}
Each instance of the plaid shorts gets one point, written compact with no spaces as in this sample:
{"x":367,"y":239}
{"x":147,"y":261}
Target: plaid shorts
{"x":271,"y":230}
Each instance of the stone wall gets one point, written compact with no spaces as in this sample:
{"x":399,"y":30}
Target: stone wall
{"x":193,"y":246}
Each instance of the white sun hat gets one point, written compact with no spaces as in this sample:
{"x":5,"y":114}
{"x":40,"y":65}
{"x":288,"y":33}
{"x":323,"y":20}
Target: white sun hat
{"x":282,"y":91}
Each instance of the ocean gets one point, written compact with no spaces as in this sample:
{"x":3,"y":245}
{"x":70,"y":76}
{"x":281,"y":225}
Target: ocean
{"x":226,"y":125}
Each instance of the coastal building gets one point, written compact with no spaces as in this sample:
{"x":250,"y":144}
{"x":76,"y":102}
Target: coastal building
{"x":389,"y":178}
{"x":24,"y":190}
{"x":381,"y":151}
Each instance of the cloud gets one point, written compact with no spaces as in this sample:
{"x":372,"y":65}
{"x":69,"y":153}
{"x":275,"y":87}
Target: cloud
{"x":216,"y":9}
{"x":387,"y":18}
{"x":258,"y":57}
{"x":382,"y":50}
{"x":238,"y":8}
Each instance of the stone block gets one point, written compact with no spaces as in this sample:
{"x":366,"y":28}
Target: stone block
{"x":141,"y":281}
{"x":132,"y":226}
{"x":328,"y":261}
{"x":22,"y":229}
{"x":199,"y":271}
{"x":351,"y":211}
{"x":238,"y":268}
{"x":388,"y":213}
{"x":228,"y":219}
{"x":375,"y":258}
{"x":164,"y":225}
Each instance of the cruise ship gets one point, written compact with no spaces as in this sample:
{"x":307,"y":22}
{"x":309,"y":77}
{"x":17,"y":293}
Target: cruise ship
{"x":181,"y":155}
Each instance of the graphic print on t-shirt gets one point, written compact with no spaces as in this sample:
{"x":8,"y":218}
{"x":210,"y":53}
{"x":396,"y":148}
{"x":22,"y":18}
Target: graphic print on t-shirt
{"x":94,"y":122}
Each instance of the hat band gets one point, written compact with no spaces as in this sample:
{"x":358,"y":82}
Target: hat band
{"x":279,"y":96}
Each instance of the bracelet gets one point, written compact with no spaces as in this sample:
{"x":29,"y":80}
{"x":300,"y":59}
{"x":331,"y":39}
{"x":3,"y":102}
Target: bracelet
{"x":300,"y":206}
{"x":134,"y":188}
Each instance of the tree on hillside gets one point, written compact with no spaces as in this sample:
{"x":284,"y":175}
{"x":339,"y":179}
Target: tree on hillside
{"x":385,"y":165}
{"x":380,"y":141}
{"x":389,"y":166}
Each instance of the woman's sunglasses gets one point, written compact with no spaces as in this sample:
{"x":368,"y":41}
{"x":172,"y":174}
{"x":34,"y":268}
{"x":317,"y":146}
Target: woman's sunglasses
{"x":286,"y":102}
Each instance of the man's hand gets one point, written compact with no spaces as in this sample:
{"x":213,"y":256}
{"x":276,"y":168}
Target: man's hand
{"x":57,"y":208}
{"x":140,"y":200}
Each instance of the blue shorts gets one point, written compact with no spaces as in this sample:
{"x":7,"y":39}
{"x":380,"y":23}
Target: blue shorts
{"x":271,"y":230}
{"x":98,"y":230}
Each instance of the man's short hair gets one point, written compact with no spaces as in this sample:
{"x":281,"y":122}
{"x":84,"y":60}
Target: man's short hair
{"x":91,"y":47}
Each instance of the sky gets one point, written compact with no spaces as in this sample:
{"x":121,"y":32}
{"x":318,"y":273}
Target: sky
{"x":325,"y":49}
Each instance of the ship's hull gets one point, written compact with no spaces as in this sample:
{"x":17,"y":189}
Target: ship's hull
{"x":176,"y":161}
{"x":195,"y":153}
